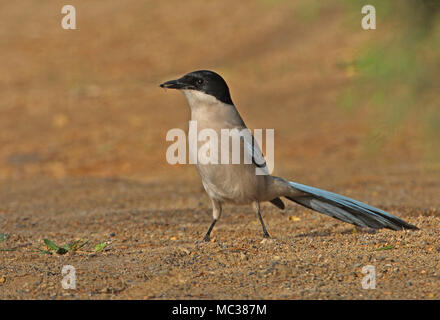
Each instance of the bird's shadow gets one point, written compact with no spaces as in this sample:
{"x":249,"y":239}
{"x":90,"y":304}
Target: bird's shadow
{"x":327,"y":233}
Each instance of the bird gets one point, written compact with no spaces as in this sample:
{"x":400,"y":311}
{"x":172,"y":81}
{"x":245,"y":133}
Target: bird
{"x":211,"y":106}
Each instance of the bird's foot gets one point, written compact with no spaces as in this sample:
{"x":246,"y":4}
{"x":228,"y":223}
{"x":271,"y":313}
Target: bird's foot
{"x":207,"y":238}
{"x":266,"y":235}
{"x":201,"y":243}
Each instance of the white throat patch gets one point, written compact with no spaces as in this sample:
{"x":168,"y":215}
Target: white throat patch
{"x":197,"y":98}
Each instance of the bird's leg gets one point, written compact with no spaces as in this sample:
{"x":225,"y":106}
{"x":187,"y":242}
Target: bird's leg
{"x":256,"y":206}
{"x":207,"y":237}
{"x":216,"y":212}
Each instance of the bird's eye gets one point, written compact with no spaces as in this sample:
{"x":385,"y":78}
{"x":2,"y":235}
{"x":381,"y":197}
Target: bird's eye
{"x":199,"y":81}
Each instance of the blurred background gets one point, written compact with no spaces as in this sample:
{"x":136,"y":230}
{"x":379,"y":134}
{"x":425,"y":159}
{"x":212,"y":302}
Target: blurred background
{"x":86,"y":102}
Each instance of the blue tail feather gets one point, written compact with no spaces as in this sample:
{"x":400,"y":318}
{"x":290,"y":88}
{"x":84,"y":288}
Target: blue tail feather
{"x":347,"y":209}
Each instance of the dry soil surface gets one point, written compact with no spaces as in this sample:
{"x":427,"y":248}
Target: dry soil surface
{"x":153,"y":250}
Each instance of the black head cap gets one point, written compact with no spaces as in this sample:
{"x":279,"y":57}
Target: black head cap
{"x":205,"y":81}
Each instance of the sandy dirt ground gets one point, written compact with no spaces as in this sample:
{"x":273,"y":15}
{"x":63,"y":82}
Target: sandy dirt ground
{"x":153,"y":251}
{"x":82,"y":157}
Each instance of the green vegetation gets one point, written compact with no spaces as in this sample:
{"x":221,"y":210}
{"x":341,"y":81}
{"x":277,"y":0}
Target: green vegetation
{"x":100,"y":246}
{"x":385,"y":248}
{"x":3,"y":236}
{"x":52,"y":247}
{"x":397,"y":73}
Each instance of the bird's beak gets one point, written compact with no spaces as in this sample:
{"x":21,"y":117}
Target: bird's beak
{"x":179,"y":84}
